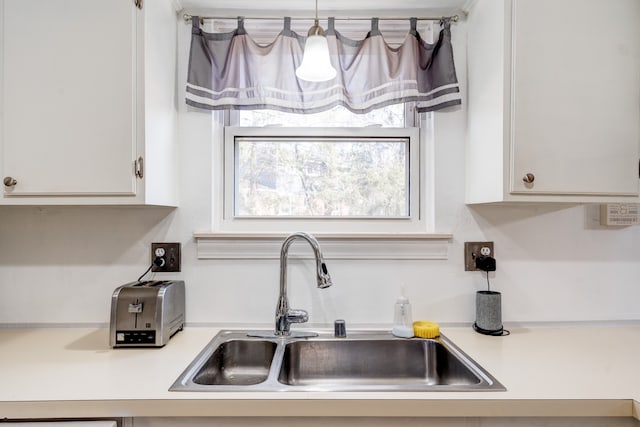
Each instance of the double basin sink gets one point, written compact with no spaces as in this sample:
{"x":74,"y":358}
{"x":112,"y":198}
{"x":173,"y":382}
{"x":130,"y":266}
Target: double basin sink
{"x":364,"y":361}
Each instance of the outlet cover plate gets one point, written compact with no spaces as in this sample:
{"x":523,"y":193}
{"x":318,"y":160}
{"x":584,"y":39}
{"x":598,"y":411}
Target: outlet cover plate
{"x":471,"y":248}
{"x":171,"y":257}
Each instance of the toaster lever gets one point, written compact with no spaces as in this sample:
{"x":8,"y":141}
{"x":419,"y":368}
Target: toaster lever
{"x":135,"y":308}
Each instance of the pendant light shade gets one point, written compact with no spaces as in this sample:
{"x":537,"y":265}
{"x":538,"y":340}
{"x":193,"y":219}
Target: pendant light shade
{"x":316,"y":64}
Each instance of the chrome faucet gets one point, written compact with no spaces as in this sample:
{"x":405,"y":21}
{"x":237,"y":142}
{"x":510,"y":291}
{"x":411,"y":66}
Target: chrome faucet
{"x":284,"y":315}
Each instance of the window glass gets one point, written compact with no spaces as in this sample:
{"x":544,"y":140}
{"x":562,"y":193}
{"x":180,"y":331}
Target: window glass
{"x":389,"y":116}
{"x":319,"y":176}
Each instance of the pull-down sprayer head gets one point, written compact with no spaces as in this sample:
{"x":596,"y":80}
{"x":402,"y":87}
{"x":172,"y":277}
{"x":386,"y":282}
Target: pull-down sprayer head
{"x":324,"y":278}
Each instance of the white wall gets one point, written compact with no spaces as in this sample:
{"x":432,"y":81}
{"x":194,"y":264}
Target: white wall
{"x":60,"y":264}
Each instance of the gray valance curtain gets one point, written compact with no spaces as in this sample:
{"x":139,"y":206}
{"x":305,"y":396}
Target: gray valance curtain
{"x":232,"y":71}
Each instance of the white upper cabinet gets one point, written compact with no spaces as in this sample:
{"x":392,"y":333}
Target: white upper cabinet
{"x":554,"y":101}
{"x":88,"y":113}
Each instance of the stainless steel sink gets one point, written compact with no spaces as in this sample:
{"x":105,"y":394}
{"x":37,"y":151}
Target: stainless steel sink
{"x":364,"y":361}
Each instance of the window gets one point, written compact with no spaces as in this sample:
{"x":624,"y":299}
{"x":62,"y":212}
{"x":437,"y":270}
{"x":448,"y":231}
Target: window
{"x":331,"y":172}
{"x":323,"y":174}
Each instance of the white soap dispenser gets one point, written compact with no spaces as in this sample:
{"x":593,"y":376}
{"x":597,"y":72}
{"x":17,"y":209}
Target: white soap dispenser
{"x":402,"y":322}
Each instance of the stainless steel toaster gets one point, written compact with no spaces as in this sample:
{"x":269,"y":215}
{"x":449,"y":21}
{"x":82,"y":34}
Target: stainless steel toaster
{"x":146,"y":314}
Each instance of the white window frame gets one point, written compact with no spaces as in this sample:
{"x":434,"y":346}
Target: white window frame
{"x":413,"y":240}
{"x":418,"y":219}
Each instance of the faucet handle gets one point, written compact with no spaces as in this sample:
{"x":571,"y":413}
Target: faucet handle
{"x":297,"y":316}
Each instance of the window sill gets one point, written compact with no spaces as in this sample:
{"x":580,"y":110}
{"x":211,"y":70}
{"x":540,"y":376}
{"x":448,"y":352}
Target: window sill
{"x":353,"y":246}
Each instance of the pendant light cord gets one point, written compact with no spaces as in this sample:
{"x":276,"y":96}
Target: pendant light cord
{"x":316,"y":23}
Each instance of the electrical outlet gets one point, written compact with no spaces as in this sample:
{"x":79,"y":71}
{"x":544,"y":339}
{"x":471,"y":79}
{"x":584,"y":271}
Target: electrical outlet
{"x":165,"y":257}
{"x":476,"y":249}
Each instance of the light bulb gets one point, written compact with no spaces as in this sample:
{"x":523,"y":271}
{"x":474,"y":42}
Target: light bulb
{"x":316,"y":64}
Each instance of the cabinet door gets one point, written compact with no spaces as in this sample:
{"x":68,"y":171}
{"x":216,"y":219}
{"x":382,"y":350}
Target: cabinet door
{"x":68,"y":90}
{"x":576,"y":96}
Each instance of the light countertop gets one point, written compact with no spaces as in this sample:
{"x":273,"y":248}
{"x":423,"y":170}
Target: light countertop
{"x":560,"y":371}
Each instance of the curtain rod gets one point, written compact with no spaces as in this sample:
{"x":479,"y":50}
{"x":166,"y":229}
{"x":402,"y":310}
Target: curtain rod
{"x":453,"y":18}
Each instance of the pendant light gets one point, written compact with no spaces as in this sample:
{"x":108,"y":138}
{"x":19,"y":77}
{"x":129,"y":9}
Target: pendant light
{"x":316,"y":65}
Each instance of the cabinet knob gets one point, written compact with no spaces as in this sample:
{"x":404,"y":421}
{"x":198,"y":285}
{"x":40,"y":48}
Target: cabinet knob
{"x":9,"y":181}
{"x":529,"y":178}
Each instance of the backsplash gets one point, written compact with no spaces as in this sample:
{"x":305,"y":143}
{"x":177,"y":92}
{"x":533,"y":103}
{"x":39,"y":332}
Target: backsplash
{"x":61,"y":264}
